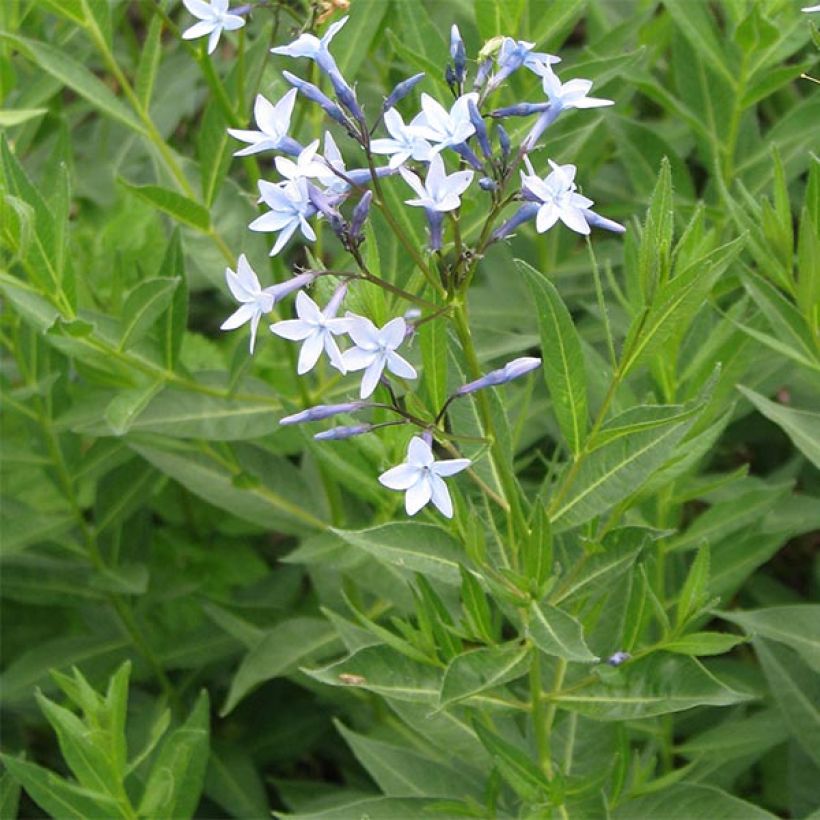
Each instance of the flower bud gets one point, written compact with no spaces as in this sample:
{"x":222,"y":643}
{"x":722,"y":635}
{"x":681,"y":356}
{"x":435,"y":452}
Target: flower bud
{"x":314,"y":94}
{"x":322,"y":411}
{"x":598,"y":221}
{"x":524,"y":213}
{"x":487,"y":184}
{"x":484,"y":68}
{"x":618,"y":658}
{"x":480,"y":128}
{"x":458,"y":53}
{"x":520,"y":110}
{"x":545,"y":119}
{"x":339,"y":433}
{"x":467,"y":153}
{"x":511,"y":370}
{"x":325,"y":207}
{"x":402,"y":90}
{"x":360,"y":213}
{"x":503,"y":140}
{"x":435,"y":220}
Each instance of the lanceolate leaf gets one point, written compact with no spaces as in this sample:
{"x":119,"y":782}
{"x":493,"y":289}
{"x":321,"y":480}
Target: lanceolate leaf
{"x":691,"y":801}
{"x":563,"y":360}
{"x":180,"y":207}
{"x":482,"y":669}
{"x":556,"y":633}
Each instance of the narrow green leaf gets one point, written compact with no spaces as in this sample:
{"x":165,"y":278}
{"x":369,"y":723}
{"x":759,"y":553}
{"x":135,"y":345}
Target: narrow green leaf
{"x":801,"y":426}
{"x":704,"y":643}
{"x":9,"y":795}
{"x":180,"y":207}
{"x":695,"y":589}
{"x":76,"y":76}
{"x":175,"y":782}
{"x":515,"y":766}
{"x":563,"y":361}
{"x":281,"y":650}
{"x":691,"y":801}
{"x":482,"y":669}
{"x":149,"y":61}
{"x":556,"y":633}
{"x":797,"y":626}
{"x":9,"y":117}
{"x":57,"y":796}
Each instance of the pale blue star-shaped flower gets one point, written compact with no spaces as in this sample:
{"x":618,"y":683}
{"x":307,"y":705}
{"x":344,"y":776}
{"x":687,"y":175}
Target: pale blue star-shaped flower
{"x":421,"y":478}
{"x":440,"y":191}
{"x":571,"y":94}
{"x":290,"y":207}
{"x":254,"y":300}
{"x":404,"y":142}
{"x":516,"y":53}
{"x":273,"y":121}
{"x":315,"y":328}
{"x":308,"y":164}
{"x":559,"y":199}
{"x":442,"y":127}
{"x":375,"y":349}
{"x":214,"y":17}
{"x":312,"y":47}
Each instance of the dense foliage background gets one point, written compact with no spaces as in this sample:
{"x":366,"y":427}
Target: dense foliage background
{"x":154,"y":513}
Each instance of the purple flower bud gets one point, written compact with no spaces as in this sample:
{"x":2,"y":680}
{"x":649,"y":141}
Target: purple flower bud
{"x":360,"y":213}
{"x":503,"y":140}
{"x":483,"y":72}
{"x":322,"y":411}
{"x":332,"y":308}
{"x":402,"y":90}
{"x":450,"y":75}
{"x":361,"y":176}
{"x":511,"y":370}
{"x":339,"y":433}
{"x":467,"y":153}
{"x":598,"y":221}
{"x":290,"y":285}
{"x":427,"y":437}
{"x":486,"y":184}
{"x":288,"y":145}
{"x":346,"y":95}
{"x":618,"y":658}
{"x":314,"y":94}
{"x":520,"y":110}
{"x":545,"y":119}
{"x":524,"y":213}
{"x":458,"y":53}
{"x":411,"y":314}
{"x":241,"y":11}
{"x":480,"y":128}
{"x":434,"y":224}
{"x":325,"y":207}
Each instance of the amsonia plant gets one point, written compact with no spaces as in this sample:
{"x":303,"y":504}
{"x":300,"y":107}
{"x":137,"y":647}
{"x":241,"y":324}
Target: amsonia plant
{"x":464,"y":494}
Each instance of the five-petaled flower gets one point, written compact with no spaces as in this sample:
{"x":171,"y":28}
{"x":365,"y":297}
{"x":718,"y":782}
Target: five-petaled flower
{"x":404,"y":142}
{"x":315,"y":328}
{"x":214,"y":16}
{"x":558,"y":197}
{"x":571,"y":94}
{"x":255,"y":300}
{"x":290,"y":206}
{"x":310,"y":46}
{"x":442,"y":127}
{"x":440,"y":191}
{"x":374,"y":350}
{"x":273,"y":122}
{"x":421,"y":477}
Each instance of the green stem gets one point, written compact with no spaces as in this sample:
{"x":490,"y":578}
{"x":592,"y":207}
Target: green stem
{"x":539,"y":718}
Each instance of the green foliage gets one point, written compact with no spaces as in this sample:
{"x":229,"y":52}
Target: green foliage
{"x":617,"y":622}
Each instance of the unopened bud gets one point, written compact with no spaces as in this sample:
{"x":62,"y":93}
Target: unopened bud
{"x":360,"y":213}
{"x":487,"y":184}
{"x":458,"y":54}
{"x":402,"y":90}
{"x":480,"y":128}
{"x":314,"y":94}
{"x":511,"y":370}
{"x":322,"y":411}
{"x":339,"y":433}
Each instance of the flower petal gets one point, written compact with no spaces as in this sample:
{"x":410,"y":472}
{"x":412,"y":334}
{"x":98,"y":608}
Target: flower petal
{"x":417,"y":496}
{"x":392,"y":334}
{"x":355,"y":358}
{"x":309,"y":354}
{"x":419,"y":452}
{"x":239,"y":317}
{"x":293,"y":329}
{"x":573,"y":218}
{"x":451,"y":466}
{"x":441,"y":496}
{"x":371,"y":377}
{"x":547,"y":216}
{"x":400,"y":366}
{"x":199,"y":29}
{"x":402,"y":477}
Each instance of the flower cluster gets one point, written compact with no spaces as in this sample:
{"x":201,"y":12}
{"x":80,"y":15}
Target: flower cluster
{"x":438,"y":152}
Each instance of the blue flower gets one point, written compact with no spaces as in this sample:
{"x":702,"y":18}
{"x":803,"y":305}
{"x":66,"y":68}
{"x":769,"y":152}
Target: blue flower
{"x":273,"y":122}
{"x":442,"y":127}
{"x":516,"y":53}
{"x":571,"y":94}
{"x":421,"y":477}
{"x":440,"y":192}
{"x":310,"y":46}
{"x":290,"y":207}
{"x":214,"y":17}
{"x":404,"y":142}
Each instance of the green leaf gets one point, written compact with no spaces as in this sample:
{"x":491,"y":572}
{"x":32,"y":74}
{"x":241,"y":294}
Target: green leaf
{"x":384,"y":671}
{"x":615,"y":470}
{"x":9,"y":795}
{"x":801,"y":426}
{"x":556,"y":633}
{"x":403,"y":772}
{"x":281,"y":650}
{"x":695,"y":589}
{"x":351,"y":46}
{"x":411,"y":547}
{"x":481,"y":669}
{"x":143,"y":307}
{"x":675,"y":303}
{"x":563,"y":360}
{"x":737,"y":737}
{"x":516,"y":767}
{"x":180,"y":207}
{"x":476,"y":609}
{"x":796,"y":690}
{"x":148,"y":66}
{"x":704,"y":643}
{"x":659,"y":684}
{"x":127,"y":405}
{"x":691,"y":801}
{"x":77,"y":77}
{"x":175,"y":782}
{"x":433,"y":342}
{"x":536,"y":552}
{"x":234,"y":782}
{"x":57,"y":796}
{"x":9,"y":117}
{"x":796,"y":626}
